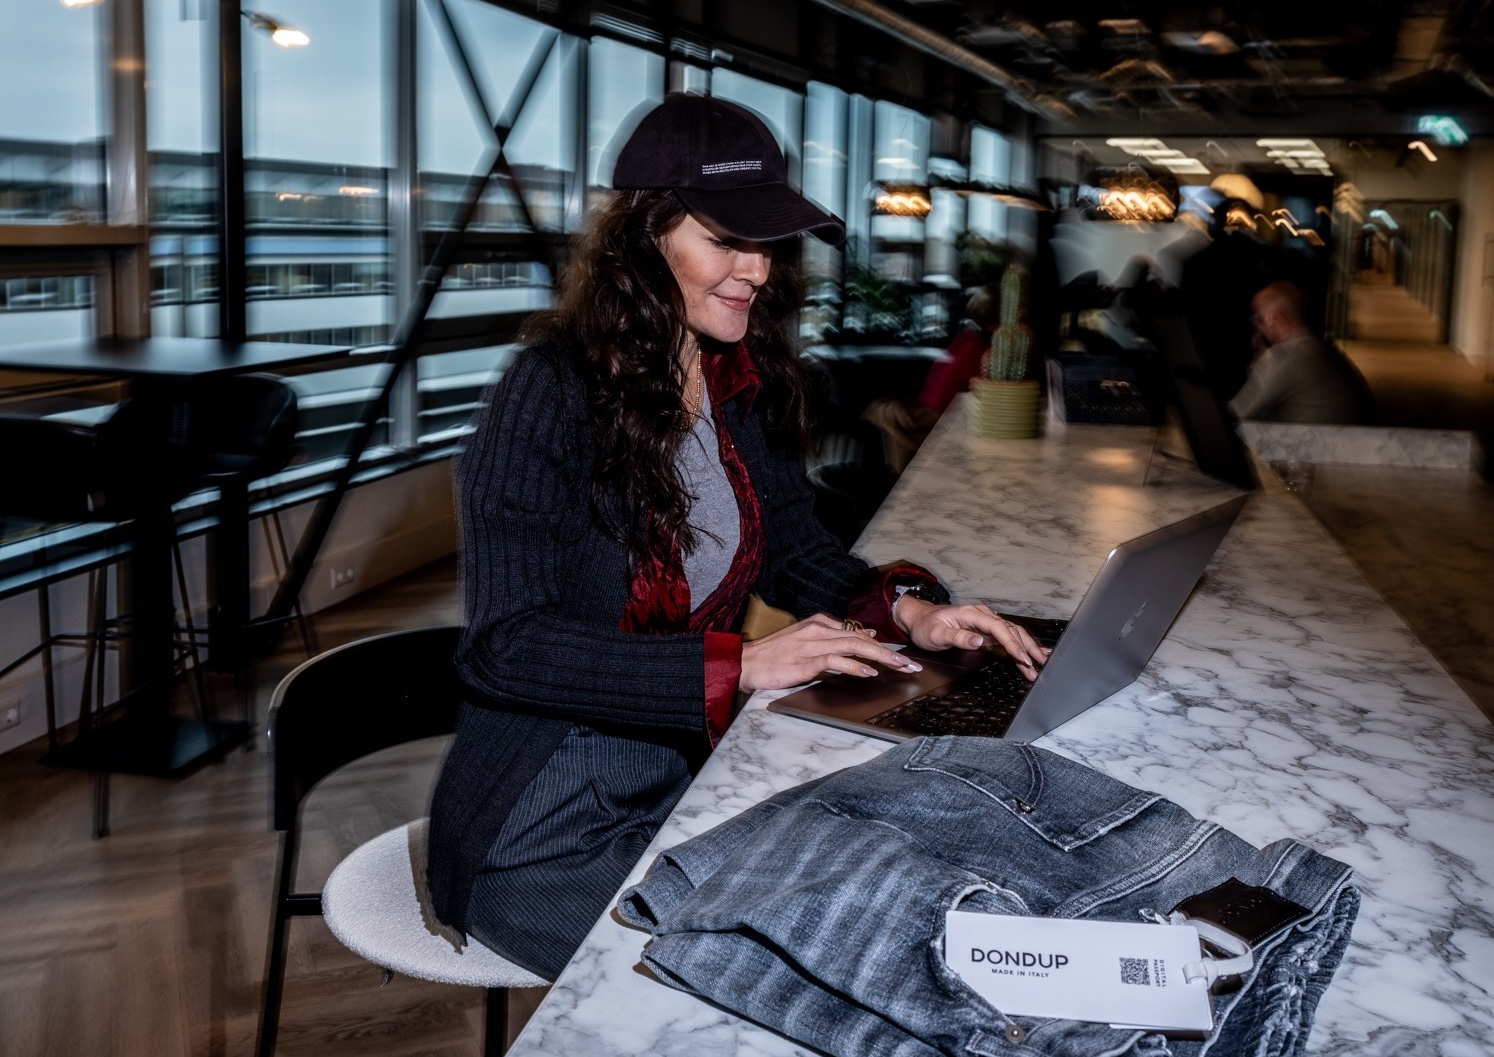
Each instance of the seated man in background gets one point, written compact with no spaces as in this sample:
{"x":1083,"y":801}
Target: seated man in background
{"x":905,"y":425}
{"x":1298,"y":377}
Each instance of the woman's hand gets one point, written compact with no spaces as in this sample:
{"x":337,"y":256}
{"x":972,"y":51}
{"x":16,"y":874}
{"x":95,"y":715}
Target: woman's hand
{"x":935,"y":627}
{"x":805,"y":651}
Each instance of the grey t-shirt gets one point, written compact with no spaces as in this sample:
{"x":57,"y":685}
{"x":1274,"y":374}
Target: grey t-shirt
{"x":714,"y":514}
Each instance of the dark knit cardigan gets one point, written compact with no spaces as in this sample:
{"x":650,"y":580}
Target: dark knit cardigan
{"x":546,"y":592}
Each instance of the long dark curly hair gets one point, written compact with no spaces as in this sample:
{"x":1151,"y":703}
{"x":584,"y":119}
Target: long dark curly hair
{"x":620,"y":313}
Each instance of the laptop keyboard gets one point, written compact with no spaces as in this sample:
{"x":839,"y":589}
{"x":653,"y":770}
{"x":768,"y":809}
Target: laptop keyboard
{"x":980,"y":704}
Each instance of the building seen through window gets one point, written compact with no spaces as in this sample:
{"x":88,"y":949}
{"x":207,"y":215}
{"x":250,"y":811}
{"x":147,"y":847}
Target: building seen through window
{"x":326,"y":262}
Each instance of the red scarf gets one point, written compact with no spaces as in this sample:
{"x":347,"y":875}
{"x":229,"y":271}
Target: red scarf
{"x":659,"y":596}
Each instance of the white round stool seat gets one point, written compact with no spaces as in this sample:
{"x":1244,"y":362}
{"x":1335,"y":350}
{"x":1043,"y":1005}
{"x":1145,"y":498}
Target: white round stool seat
{"x":375,"y":904}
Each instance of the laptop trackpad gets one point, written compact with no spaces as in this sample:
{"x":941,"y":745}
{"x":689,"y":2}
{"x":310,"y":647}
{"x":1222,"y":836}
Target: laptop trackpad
{"x":853,"y":698}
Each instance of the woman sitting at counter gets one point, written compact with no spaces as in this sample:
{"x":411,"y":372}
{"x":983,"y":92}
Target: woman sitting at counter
{"x":632,"y":480}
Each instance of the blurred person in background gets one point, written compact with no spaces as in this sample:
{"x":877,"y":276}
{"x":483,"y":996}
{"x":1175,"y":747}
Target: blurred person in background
{"x":1297,"y":377}
{"x":906,"y":425}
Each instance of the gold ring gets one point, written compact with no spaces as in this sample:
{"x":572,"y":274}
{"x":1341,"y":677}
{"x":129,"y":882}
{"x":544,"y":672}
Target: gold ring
{"x":851,"y":625}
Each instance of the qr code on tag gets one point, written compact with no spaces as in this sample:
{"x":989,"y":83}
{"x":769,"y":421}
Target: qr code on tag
{"x":1136,"y":971}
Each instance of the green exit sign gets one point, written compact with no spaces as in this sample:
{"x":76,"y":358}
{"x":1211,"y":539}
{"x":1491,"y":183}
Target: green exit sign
{"x":1445,"y":130}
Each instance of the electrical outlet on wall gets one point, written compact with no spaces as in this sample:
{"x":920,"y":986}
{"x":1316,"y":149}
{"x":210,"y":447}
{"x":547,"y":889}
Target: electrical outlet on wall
{"x":342,"y":576}
{"x":11,"y":713}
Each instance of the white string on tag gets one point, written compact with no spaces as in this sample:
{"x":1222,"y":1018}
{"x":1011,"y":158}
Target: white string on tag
{"x":1209,"y":968}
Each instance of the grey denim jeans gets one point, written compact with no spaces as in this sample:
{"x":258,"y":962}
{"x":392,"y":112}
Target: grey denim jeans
{"x":820,"y":912}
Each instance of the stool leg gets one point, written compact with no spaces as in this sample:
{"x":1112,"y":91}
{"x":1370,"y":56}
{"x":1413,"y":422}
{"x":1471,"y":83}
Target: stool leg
{"x":204,"y":703}
{"x":44,"y":616}
{"x":98,"y":625}
{"x":495,"y":1032}
{"x":93,"y":645}
{"x":100,"y":803}
{"x":281,"y":565}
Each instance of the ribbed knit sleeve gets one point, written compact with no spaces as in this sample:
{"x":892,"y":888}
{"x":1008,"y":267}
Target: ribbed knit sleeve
{"x":543,"y":588}
{"x":807,"y":569}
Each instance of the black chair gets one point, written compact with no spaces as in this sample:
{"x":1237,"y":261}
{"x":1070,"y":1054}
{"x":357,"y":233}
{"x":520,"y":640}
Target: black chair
{"x":238,"y":429}
{"x":337,"y":707}
{"x":114,"y":470}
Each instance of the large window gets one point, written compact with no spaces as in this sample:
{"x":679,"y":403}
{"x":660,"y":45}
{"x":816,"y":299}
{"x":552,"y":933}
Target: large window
{"x":901,"y":153}
{"x":53,"y":124}
{"x":621,"y":81}
{"x":490,"y":80}
{"x":316,"y":161}
{"x":181,"y":138}
{"x":53,"y":128}
{"x":331,"y":257}
{"x":991,"y":163}
{"x":825,"y":155}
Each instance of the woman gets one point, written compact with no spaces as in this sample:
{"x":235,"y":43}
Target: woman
{"x":633,"y":478}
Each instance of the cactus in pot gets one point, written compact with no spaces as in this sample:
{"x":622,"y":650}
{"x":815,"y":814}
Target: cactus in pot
{"x":1011,"y":341}
{"x":1004,"y":400}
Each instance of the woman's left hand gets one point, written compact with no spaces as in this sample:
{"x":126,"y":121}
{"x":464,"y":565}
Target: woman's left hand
{"x":935,"y":627}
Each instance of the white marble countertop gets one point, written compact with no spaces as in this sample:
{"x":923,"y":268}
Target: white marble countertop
{"x":1287,"y":701}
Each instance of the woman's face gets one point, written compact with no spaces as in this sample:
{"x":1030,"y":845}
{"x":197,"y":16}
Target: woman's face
{"x":718,"y":274}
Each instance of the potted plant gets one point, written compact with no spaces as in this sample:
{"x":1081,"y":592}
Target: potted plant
{"x":878,"y":309}
{"x":1004,"y":401}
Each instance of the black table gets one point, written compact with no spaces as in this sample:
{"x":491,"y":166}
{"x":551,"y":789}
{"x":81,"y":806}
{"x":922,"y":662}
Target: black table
{"x":149,"y":739}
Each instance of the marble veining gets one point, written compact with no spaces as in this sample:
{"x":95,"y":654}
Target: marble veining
{"x":1287,"y":701}
{"x":1445,"y":449}
{"x":1424,"y":538}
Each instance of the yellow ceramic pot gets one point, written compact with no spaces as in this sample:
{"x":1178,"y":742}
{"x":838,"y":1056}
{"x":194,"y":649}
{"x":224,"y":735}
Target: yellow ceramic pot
{"x":1004,"y":409}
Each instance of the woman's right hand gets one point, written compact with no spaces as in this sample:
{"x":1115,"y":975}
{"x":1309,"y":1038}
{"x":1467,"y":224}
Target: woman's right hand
{"x":803,"y":652}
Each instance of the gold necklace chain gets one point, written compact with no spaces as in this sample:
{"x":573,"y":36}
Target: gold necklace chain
{"x":688,"y":416}
{"x":699,"y":379}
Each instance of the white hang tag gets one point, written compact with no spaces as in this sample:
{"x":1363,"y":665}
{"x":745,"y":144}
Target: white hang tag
{"x":1112,"y":972}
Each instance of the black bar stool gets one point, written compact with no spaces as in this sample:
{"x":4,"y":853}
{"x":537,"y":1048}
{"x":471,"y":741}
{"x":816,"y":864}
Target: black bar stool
{"x":61,"y":471}
{"x":239,"y":429}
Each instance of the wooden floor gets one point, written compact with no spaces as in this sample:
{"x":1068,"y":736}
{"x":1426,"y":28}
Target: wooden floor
{"x":151,"y":942}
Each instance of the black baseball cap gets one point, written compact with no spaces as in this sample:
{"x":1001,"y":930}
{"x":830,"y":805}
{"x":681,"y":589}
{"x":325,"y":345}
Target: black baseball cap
{"x":725,"y":165}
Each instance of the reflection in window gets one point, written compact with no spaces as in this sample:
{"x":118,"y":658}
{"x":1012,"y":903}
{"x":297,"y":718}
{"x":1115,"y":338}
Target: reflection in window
{"x":782,"y":109}
{"x":990,"y":162}
{"x":45,"y":308}
{"x":621,"y":80}
{"x":451,"y":387}
{"x":942,"y":228}
{"x":52,"y":129}
{"x":316,"y":184}
{"x":900,"y":156}
{"x":181,"y":140}
{"x":456,"y":132}
{"x":825,"y":153}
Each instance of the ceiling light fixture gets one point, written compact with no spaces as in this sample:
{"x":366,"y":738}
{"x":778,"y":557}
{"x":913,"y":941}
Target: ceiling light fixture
{"x":1288,"y":144}
{"x":901,"y":200}
{"x":1156,"y":152}
{"x":1130,"y":193}
{"x":1135,"y":145}
{"x":283,"y":35}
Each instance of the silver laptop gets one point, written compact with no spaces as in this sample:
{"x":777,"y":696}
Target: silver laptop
{"x":1102,"y":648}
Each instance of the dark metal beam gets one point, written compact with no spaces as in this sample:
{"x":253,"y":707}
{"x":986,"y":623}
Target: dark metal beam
{"x":233,"y":242}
